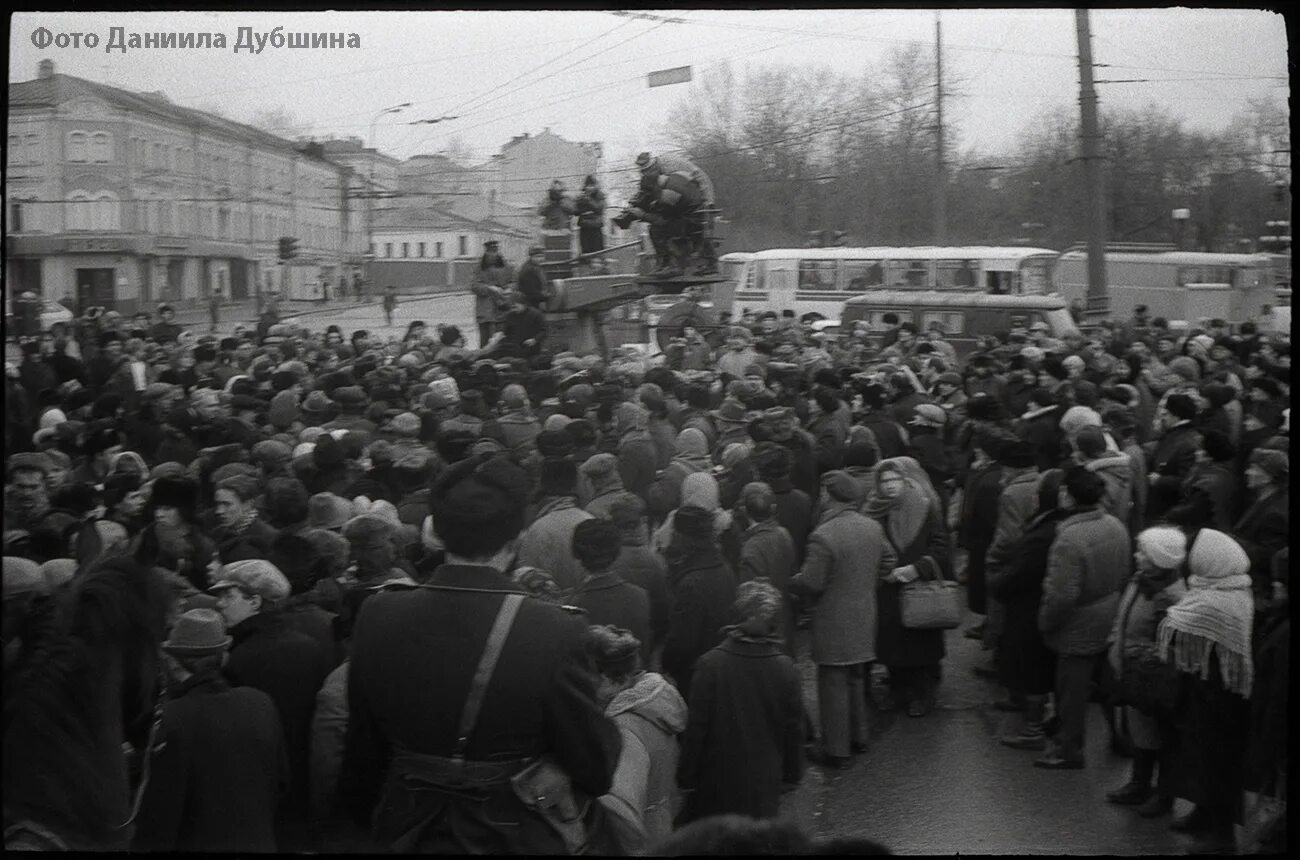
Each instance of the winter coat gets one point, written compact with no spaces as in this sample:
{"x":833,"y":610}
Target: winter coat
{"x":650,"y":715}
{"x":744,"y":735}
{"x":1263,"y":530}
{"x":665,"y":494}
{"x":1016,"y":505}
{"x":414,"y":653}
{"x":519,"y":429}
{"x":890,"y":435}
{"x":491,"y":304}
{"x":1024,"y":661}
{"x":793,"y":513}
{"x":1086,"y":566}
{"x":848,"y":556}
{"x":641,"y":566}
{"x":269,"y":655}
{"x":1137,"y":467}
{"x":766,"y":551}
{"x":830,"y":432}
{"x":664,"y":437}
{"x":898,"y":646}
{"x":702,"y":589}
{"x":975,"y":529}
{"x":1136,"y":620}
{"x":547,"y":544}
{"x":1172,"y":459}
{"x":329,"y":728}
{"x":804,"y":474}
{"x":216,"y":782}
{"x":608,"y":599}
{"x":1042,"y":429}
{"x":1220,"y":485}
{"x":1115,"y":469}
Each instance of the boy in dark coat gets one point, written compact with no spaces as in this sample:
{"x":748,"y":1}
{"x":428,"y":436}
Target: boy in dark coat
{"x":702,"y":587}
{"x":602,"y":593}
{"x":215,"y":782}
{"x":743,"y":742}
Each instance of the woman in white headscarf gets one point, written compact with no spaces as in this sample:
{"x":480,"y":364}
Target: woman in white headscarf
{"x":701,"y":490}
{"x":1207,"y":636}
{"x":909,"y":509}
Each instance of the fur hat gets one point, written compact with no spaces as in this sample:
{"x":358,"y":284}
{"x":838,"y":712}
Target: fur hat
{"x":613,"y":650}
{"x":327,"y":511}
{"x":1166,"y":546}
{"x":283,"y":410}
{"x":175,"y":492}
{"x":1181,"y":406}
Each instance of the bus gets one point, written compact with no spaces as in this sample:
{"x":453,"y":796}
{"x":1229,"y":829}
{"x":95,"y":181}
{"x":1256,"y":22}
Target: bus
{"x":1181,"y":286}
{"x":819,"y":280}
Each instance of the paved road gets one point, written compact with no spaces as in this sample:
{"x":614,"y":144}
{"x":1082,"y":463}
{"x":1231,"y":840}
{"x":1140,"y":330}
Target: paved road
{"x":942,"y":784}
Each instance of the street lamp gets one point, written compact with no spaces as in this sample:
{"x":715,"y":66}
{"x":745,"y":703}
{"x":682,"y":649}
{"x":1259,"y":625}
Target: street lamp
{"x":370,"y":183}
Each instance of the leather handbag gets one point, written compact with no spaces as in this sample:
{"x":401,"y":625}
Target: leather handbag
{"x":1145,"y":681}
{"x":930,"y":604}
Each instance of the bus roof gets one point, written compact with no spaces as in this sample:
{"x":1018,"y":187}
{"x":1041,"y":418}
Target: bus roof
{"x":962,"y":252}
{"x":736,"y":257}
{"x":946,"y":298}
{"x":1177,"y":258}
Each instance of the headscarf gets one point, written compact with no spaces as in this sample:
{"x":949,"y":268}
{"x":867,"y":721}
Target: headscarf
{"x":904,"y":515}
{"x":700,"y":490}
{"x":1215,"y":616}
{"x":691,"y":450}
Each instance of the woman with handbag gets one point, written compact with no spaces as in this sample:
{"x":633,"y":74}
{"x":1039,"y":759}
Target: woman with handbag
{"x":1207,"y":637}
{"x":909,"y":510}
{"x":1155,"y":587}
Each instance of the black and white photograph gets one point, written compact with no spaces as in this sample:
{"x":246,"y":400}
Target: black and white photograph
{"x":647,"y":431}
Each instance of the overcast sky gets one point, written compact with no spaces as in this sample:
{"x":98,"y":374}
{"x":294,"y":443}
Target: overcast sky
{"x":583,"y":73}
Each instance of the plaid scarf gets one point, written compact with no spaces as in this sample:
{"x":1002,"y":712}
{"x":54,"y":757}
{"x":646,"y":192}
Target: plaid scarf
{"x":1214,"y":617}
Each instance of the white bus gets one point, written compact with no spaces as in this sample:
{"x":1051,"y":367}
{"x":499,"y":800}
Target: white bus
{"x":1181,"y":285}
{"x":819,"y":280}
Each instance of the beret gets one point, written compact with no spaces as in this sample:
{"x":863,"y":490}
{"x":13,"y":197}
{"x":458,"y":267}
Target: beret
{"x":600,"y":465}
{"x":270,"y":451}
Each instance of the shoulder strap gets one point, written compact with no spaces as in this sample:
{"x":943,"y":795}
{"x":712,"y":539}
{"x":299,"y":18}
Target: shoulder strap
{"x":486,"y":665}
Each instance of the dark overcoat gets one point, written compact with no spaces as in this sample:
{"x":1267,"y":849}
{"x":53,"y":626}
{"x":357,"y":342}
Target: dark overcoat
{"x":215,"y":783}
{"x":898,"y":646}
{"x":744,"y":737}
{"x":414,"y":653}
{"x":1024,"y":660}
{"x":608,"y":599}
{"x":703,"y":589}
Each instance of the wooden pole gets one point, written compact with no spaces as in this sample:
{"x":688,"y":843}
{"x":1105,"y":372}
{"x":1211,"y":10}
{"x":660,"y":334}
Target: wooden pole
{"x":1098,"y":303}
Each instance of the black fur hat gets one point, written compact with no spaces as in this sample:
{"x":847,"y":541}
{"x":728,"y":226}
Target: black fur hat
{"x":179,"y":493}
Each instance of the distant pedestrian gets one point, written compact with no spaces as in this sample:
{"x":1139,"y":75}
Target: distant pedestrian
{"x":390,"y":304}
{"x":358,"y":286}
{"x":214,"y":309}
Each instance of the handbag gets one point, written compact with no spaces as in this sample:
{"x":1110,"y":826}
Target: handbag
{"x":1146,"y":682}
{"x":933,"y":604}
{"x":547,"y":790}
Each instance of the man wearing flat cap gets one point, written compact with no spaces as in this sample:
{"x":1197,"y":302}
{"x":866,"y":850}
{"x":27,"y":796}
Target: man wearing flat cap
{"x":216,"y":782}
{"x":268,"y":654}
{"x":427,"y":778}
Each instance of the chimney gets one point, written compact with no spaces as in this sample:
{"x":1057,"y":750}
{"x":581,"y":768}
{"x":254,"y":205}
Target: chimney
{"x":45,"y":69}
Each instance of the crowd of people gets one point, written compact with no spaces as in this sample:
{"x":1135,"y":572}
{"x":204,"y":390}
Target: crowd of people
{"x":436,"y":599}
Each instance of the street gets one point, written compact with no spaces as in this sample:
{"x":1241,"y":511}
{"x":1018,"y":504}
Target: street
{"x":943,"y":784}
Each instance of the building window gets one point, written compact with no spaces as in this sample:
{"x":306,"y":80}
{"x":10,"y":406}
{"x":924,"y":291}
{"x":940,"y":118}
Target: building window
{"x":77,"y":146}
{"x":406,"y":249}
{"x":464,"y":246}
{"x":437,"y":250}
{"x":388,"y":249}
{"x":34,"y":154}
{"x":15,"y":153}
{"x":372,"y":249}
{"x":16,"y":216}
{"x":78,"y":212}
{"x":107,"y":212}
{"x":421,"y":249}
{"x":101,"y":147}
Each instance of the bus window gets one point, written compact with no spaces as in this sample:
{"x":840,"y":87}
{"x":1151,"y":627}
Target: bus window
{"x":948,"y":322}
{"x":908,"y":274}
{"x":998,"y":283}
{"x":955,"y":274}
{"x":860,"y":275}
{"x":1035,"y":277}
{"x":874,"y":320}
{"x":817,"y":274}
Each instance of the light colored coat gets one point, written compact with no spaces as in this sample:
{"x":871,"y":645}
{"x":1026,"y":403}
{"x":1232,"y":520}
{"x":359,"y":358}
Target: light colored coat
{"x":1088,"y":562}
{"x":548,"y":543}
{"x":847,"y":557}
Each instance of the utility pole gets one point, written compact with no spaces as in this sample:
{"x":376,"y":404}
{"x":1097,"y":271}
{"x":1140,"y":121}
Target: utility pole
{"x":1098,"y":304}
{"x":941,"y":173}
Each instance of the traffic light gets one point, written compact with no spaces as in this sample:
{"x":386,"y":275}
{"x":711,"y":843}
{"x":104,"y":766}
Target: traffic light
{"x":288,"y":247}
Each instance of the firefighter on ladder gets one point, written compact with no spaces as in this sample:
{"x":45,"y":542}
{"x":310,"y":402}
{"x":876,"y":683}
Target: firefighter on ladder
{"x":676,"y":199}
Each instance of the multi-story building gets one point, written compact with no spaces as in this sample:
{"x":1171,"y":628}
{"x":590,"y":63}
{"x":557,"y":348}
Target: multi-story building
{"x":430,"y":247}
{"x":124,"y":200}
{"x":524,"y":168}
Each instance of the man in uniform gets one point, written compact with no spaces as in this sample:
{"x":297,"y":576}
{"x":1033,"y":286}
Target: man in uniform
{"x":443,"y":776}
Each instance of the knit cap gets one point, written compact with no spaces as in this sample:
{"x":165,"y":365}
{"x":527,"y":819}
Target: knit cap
{"x":556,"y":422}
{"x":599,"y":466}
{"x":1186,"y":367}
{"x":283,"y":410}
{"x":1166,"y":546}
{"x":842,"y":486}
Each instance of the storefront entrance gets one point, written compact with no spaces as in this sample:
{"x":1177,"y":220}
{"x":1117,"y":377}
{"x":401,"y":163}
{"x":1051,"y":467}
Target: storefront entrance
{"x":95,"y":288}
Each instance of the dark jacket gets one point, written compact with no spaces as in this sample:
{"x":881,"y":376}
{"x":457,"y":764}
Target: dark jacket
{"x":643,"y":567}
{"x":1043,"y":431}
{"x":520,"y":325}
{"x":414,"y":652}
{"x":898,"y":646}
{"x":1024,"y":660}
{"x":890,"y":436}
{"x":979,"y":519}
{"x":767,"y":552}
{"x":269,"y":655}
{"x":215,"y":783}
{"x":702,"y":588}
{"x":793,"y":513}
{"x":1172,"y":459}
{"x":744,"y":736}
{"x":1263,"y":530}
{"x":608,"y":599}
{"x":533,"y":283}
